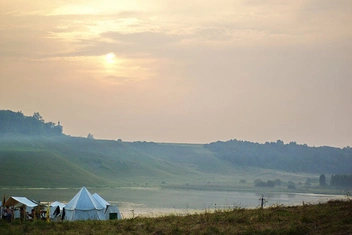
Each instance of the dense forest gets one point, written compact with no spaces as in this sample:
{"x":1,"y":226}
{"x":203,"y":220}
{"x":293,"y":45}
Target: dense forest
{"x":287,"y":157}
{"x":16,"y":123}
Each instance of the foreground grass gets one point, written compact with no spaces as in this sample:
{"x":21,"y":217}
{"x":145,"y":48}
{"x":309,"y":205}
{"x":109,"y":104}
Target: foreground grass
{"x":333,"y":217}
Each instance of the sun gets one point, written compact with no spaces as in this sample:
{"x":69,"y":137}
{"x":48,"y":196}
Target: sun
{"x":110,"y":58}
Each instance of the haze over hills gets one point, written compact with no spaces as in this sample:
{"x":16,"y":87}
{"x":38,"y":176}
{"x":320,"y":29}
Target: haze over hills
{"x":37,"y":154}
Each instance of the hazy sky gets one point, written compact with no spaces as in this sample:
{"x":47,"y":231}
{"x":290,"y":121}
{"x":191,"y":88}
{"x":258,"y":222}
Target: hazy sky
{"x":186,"y":71}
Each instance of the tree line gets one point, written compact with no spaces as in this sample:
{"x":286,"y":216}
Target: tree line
{"x":288,"y":157}
{"x":17,"y":123}
{"x":341,"y":180}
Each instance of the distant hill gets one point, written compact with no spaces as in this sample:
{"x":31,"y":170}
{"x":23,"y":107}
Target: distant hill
{"x":36,"y":157}
{"x":16,"y":123}
{"x":286,"y":157}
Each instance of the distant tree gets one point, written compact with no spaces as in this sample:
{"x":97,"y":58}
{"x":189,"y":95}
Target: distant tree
{"x":17,"y":123}
{"x":291,"y":185}
{"x":260,"y":183}
{"x":242,"y":181}
{"x":38,"y":117}
{"x":341,"y":180}
{"x":322,"y":180}
{"x":119,"y":140}
{"x":270,"y":184}
{"x":308,"y":182}
{"x":257,"y":181}
{"x":277,"y":182}
{"x":90,"y":136}
{"x":288,"y":157}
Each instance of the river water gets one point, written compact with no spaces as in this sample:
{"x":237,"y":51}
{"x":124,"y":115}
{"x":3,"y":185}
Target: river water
{"x":151,"y":202}
{"x":156,"y":202}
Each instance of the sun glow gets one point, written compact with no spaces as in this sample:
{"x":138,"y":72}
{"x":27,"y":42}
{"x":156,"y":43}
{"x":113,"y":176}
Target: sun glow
{"x":110,"y":58}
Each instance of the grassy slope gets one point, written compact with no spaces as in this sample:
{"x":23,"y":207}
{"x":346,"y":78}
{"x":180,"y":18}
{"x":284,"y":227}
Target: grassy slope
{"x":70,"y":162}
{"x":334,"y":217}
{"x":190,"y":155}
{"x":39,"y":168}
{"x":118,"y":162}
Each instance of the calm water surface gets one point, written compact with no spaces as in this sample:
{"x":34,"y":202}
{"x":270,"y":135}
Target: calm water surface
{"x":155,"y":201}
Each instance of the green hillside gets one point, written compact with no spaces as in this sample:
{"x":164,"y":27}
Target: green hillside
{"x":189,"y":155}
{"x":69,"y":161}
{"x":40,"y":168}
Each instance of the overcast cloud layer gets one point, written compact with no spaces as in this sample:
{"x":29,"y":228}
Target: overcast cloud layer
{"x":183,"y":71}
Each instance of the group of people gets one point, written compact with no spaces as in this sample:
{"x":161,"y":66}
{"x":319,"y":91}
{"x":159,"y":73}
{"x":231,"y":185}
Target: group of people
{"x":8,"y":213}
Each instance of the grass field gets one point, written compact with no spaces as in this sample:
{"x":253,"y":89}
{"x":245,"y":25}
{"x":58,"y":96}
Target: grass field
{"x":333,"y":217}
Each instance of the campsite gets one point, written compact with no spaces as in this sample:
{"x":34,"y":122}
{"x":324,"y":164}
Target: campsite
{"x":333,"y":217}
{"x":83,"y":206}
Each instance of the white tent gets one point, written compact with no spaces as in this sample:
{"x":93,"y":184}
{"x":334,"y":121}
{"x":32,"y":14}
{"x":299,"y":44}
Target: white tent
{"x":56,"y":204}
{"x":111,"y":211}
{"x":53,"y":207}
{"x":20,"y":201}
{"x":101,"y":200}
{"x":83,"y":206}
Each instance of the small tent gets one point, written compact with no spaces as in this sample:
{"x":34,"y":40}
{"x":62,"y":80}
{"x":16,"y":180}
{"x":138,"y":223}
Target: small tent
{"x":53,"y":207}
{"x":83,"y":206}
{"x":111,"y":211}
{"x":17,"y":202}
{"x":20,"y":201}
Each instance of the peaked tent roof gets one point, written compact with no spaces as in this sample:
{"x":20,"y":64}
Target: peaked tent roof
{"x":83,"y":200}
{"x":19,"y":201}
{"x":101,"y":200}
{"x":56,"y":203}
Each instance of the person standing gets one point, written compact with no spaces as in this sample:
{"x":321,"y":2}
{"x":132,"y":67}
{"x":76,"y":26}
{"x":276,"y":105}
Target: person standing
{"x":23,"y":214}
{"x":9,"y":214}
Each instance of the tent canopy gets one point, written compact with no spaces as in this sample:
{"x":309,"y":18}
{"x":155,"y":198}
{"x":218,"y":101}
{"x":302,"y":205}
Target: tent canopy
{"x":20,"y":201}
{"x":101,"y":200}
{"x":83,"y":206}
{"x":109,"y":209}
{"x":56,"y":204}
{"x":83,"y":201}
